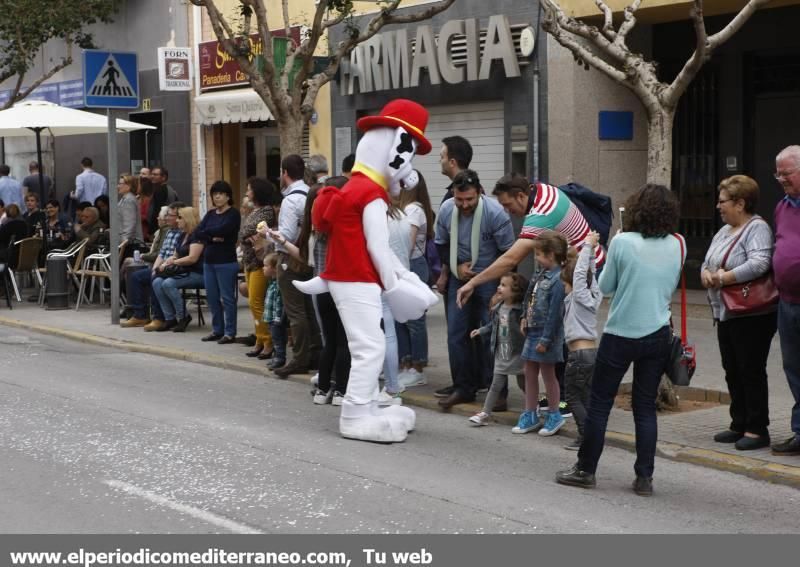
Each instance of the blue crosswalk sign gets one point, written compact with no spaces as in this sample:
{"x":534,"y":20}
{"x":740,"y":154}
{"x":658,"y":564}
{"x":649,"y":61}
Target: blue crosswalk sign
{"x":110,"y":79}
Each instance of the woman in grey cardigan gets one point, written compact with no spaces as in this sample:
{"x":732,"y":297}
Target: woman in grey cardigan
{"x":130,"y":219}
{"x":744,"y":341}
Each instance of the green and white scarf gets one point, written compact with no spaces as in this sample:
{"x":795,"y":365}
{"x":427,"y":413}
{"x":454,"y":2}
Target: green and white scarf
{"x":475,"y":237}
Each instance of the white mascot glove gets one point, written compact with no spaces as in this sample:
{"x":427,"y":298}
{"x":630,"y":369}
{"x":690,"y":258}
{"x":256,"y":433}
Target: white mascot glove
{"x":410,"y":298}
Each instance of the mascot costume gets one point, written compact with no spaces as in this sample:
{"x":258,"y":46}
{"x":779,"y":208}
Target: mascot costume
{"x":360,"y":265}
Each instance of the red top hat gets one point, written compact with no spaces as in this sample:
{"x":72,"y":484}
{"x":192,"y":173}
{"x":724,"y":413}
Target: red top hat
{"x":402,"y":112}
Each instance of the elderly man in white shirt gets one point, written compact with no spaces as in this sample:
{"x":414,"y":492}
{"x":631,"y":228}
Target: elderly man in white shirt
{"x":89,"y":184}
{"x":298,"y":307}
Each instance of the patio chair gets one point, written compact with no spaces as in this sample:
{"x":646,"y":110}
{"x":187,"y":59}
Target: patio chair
{"x":97,"y":266}
{"x":199,"y":298}
{"x":27,"y":261}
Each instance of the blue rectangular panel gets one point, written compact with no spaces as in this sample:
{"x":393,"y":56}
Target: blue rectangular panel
{"x":614,"y":125}
{"x":70,"y":93}
{"x":47,"y":92}
{"x":110,"y":79}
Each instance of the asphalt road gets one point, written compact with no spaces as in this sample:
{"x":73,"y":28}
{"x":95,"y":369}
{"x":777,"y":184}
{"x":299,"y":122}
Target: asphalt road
{"x":95,"y":440}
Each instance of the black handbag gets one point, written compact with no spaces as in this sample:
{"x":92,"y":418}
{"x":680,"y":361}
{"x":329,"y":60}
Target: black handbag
{"x":174,"y":271}
{"x":681,"y":363}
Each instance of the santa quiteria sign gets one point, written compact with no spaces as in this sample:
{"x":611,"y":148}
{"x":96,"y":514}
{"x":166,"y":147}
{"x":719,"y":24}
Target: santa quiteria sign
{"x":218,"y":70}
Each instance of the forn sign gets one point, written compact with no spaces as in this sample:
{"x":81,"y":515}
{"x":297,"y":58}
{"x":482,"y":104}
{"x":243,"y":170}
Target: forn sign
{"x":386,"y":61}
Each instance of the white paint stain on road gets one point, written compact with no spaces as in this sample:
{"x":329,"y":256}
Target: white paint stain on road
{"x":203,"y":515}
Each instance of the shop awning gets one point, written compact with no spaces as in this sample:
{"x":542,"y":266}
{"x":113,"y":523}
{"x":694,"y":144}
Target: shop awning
{"x":240,"y":105}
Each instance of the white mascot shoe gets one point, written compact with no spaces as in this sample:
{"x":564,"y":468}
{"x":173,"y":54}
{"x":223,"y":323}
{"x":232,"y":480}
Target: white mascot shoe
{"x":359,"y":421}
{"x":314,"y":286}
{"x":401,"y":414}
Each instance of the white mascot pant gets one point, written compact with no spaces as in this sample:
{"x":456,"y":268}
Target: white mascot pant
{"x":359,"y":306}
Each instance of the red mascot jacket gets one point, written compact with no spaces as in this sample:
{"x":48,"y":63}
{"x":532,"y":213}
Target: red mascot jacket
{"x":338,"y":212}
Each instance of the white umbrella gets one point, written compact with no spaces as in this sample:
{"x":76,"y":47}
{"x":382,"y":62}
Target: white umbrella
{"x":35,"y":117}
{"x":38,"y":117}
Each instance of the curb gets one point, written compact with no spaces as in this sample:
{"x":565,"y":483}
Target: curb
{"x":757,"y":469}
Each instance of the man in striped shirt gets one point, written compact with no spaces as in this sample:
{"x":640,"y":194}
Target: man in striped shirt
{"x":551,"y":210}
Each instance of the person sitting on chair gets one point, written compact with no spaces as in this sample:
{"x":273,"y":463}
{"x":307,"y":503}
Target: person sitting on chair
{"x":93,"y":228}
{"x":14,"y":229}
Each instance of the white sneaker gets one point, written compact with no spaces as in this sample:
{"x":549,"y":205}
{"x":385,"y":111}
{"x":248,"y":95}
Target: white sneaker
{"x":411,"y":378}
{"x":337,"y":399}
{"x":321,"y":398}
{"x":387,"y":399}
{"x":480,"y":418}
{"x":315,"y":379}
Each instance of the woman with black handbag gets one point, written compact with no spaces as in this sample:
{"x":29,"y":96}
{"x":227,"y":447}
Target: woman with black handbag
{"x":183,"y":270}
{"x":742,"y":252}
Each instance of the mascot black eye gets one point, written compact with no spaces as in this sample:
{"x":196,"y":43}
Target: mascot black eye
{"x":397,"y":162}
{"x":405,"y":144}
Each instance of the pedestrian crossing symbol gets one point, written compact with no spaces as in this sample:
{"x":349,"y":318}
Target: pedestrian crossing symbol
{"x":110,"y":79}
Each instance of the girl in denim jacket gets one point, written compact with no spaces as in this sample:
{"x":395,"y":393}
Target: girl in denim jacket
{"x":544,"y":328}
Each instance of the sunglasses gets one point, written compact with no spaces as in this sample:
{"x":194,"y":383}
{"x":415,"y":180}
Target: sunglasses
{"x":467,"y":181}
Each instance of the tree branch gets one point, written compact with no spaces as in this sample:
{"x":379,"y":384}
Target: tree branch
{"x":705,"y":47}
{"x":583,"y":53}
{"x":65,"y":62}
{"x":591,"y":34}
{"x":14,"y":96}
{"x":385,"y":17}
{"x":608,"y":19}
{"x":629,"y":23}
{"x":736,"y":23}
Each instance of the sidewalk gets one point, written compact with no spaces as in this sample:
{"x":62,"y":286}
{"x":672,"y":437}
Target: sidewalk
{"x":682,"y":436}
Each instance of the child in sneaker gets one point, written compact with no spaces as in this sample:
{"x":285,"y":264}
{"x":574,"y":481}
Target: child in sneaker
{"x":506,"y":340}
{"x":544,"y":327}
{"x":273,"y":312}
{"x":580,"y":329}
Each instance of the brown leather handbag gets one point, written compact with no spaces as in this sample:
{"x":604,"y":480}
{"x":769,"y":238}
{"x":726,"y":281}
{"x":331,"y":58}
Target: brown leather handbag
{"x":748,"y":298}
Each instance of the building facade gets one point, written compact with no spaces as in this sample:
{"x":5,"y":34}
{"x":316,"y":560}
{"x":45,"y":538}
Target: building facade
{"x":734,"y":118}
{"x":140,"y":26}
{"x":235,"y":135}
{"x":476,"y":67}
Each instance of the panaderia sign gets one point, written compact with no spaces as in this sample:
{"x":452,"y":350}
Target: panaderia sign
{"x":458,"y":54}
{"x":218,"y":70}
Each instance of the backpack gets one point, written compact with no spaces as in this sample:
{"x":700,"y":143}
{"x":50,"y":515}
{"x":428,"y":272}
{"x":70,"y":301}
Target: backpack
{"x":594,"y":207}
{"x":433,"y":260}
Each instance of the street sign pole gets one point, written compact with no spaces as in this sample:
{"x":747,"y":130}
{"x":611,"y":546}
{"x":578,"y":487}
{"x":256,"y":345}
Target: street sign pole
{"x":113,"y":216}
{"x":111,"y":80}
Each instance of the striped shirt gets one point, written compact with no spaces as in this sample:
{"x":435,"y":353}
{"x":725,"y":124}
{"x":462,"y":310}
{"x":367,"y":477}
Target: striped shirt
{"x":552,"y":210}
{"x":750,"y":258}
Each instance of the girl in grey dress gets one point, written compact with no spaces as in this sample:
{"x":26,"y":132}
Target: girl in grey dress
{"x":506,"y":340}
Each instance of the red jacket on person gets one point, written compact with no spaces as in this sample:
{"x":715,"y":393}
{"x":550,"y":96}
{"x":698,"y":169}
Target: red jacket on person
{"x":338,"y":212}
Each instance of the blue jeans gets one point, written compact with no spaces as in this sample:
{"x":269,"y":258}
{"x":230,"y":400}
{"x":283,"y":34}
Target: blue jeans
{"x":471,"y":361}
{"x":221,"y":291}
{"x":649,"y":356}
{"x":789,"y":331}
{"x":141,"y":296}
{"x":412,"y":336}
{"x":391,"y":371}
{"x":168,"y":293}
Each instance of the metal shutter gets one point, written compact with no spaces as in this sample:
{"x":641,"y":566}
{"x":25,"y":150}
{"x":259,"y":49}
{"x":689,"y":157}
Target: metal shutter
{"x":481,"y":124}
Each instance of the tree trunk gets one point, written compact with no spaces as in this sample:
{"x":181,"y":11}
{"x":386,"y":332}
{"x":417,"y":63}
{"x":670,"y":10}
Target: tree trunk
{"x":659,"y":170}
{"x":291,"y":135}
{"x":659,"y":146}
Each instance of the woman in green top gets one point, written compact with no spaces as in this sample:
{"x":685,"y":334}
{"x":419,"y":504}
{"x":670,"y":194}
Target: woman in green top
{"x":642,"y":270}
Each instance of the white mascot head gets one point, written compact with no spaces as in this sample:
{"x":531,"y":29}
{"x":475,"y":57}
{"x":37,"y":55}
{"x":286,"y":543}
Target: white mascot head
{"x":391,"y":140}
